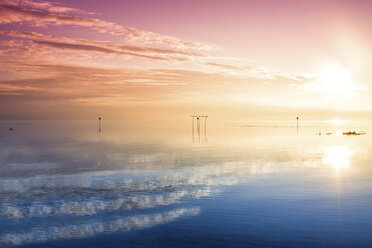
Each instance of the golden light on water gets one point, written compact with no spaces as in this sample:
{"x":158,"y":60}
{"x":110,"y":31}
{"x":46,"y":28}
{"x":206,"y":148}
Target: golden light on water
{"x":338,"y":157}
{"x":336,"y":122}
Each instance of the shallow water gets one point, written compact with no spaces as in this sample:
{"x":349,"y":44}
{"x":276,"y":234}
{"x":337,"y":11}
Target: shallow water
{"x":237,"y":184}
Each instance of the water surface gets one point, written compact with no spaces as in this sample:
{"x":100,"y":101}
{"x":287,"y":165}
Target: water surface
{"x":237,"y":184}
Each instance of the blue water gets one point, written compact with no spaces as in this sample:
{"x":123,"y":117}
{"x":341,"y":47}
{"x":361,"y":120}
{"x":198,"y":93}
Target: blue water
{"x":64,"y":184}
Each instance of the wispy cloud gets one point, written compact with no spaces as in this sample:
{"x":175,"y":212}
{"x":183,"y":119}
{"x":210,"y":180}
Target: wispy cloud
{"x":40,"y":14}
{"x":51,"y":7}
{"x":224,"y":66}
{"x":84,"y":45}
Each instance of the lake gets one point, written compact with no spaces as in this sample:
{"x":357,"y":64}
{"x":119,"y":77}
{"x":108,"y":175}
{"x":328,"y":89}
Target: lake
{"x":160,"y":184}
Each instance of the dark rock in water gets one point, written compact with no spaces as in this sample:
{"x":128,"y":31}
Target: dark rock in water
{"x":353,"y":133}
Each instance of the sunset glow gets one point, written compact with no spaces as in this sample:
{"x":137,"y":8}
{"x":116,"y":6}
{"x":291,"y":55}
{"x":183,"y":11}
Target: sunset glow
{"x":129,"y":59}
{"x":337,"y":80}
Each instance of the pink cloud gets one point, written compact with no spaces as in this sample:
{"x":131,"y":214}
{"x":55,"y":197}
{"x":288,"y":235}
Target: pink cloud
{"x":45,"y":14}
{"x":46,"y":44}
{"x":51,"y":7}
{"x":103,"y":46}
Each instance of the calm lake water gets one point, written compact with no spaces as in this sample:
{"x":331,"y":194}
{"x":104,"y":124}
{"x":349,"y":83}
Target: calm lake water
{"x":134,"y":184}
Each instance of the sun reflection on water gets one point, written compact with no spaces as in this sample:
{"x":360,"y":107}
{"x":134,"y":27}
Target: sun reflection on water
{"x":338,"y":157}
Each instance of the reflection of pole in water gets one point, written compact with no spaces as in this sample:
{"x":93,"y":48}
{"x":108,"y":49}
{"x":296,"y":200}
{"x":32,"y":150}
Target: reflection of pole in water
{"x":205,"y":129}
{"x":198,"y":127}
{"x":192,"y":127}
{"x":99,"y":124}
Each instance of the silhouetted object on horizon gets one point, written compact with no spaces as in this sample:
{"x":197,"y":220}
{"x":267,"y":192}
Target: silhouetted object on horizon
{"x":99,"y":124}
{"x":10,"y":129}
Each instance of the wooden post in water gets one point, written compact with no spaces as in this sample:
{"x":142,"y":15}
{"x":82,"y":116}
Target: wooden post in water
{"x":99,"y":124}
{"x":297,"y":124}
{"x":199,"y":128}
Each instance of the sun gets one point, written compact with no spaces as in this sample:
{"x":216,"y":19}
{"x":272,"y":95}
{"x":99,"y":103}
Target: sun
{"x":336,"y":80}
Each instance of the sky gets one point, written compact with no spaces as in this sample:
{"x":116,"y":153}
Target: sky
{"x":166,"y":59}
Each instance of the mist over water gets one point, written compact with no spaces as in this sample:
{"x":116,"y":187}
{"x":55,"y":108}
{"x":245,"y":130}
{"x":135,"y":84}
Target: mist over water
{"x":154,"y":184}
